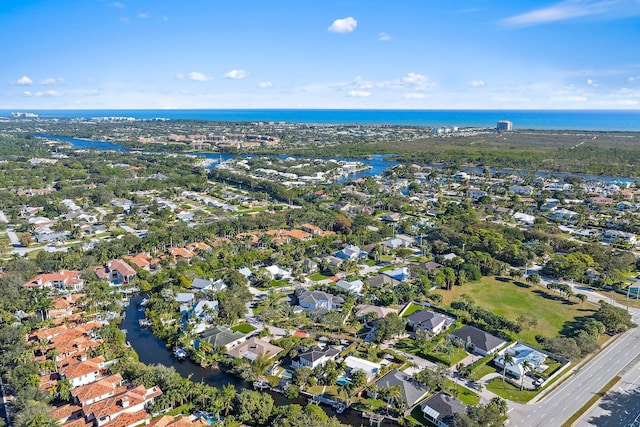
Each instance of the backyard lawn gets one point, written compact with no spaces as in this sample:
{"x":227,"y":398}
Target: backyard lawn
{"x":508,"y":391}
{"x":554,"y":315}
{"x":245,"y":328}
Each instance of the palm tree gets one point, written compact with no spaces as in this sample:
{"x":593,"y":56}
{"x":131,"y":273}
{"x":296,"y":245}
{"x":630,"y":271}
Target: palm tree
{"x":507,"y":359}
{"x":526,"y":367}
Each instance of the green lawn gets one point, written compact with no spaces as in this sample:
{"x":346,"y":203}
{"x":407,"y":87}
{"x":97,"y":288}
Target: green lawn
{"x":502,"y":296}
{"x":509,"y":391}
{"x":317,"y":277}
{"x":465,"y":395}
{"x":412,"y":309}
{"x":245,"y":328}
{"x":483,"y":369}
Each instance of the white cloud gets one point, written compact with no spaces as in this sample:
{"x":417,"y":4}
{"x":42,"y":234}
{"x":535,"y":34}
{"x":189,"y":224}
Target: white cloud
{"x":117,"y":5}
{"x":414,"y":79}
{"x":143,"y":15}
{"x":236,"y":74}
{"x":633,"y":79}
{"x":414,"y":95}
{"x":577,"y":98}
{"x":344,"y":25}
{"x":571,"y":9}
{"x":179,"y":76}
{"x":199,"y":77}
{"x":49,"y":93}
{"x":165,"y":18}
{"x":26,"y":93}
{"x":24,"y":81}
{"x":384,"y":37}
{"x":358,"y":93}
{"x":477,"y":83}
{"x":52,"y":81}
{"x":125,"y":20}
{"x":592,"y":83}
{"x":627,"y":103}
{"x":264,"y":85}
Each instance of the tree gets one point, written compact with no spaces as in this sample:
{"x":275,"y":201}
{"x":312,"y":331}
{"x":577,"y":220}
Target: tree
{"x":507,"y":359}
{"x":614,"y":319}
{"x":582,"y":298}
{"x":389,"y":326}
{"x":253,"y":407}
{"x":526,"y":367}
{"x":534,"y":278}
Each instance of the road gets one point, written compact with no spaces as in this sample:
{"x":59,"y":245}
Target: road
{"x":564,"y":401}
{"x":619,"y":407}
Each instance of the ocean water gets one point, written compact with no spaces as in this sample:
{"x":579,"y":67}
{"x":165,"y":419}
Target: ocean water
{"x":587,"y":120}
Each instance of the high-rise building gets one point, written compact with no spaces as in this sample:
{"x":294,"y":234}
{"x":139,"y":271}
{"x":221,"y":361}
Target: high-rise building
{"x":504,"y":125}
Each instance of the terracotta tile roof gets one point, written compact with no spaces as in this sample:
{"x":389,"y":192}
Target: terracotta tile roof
{"x":67,"y":278}
{"x":181,"y":252}
{"x":298,"y":234}
{"x":199,"y":246}
{"x":113,"y":404}
{"x":121,"y":267}
{"x":76,"y":370}
{"x":80,"y":422}
{"x":139,"y":260}
{"x":129,"y":419}
{"x":65,"y":411}
{"x":181,"y":421}
{"x":96,"y":389}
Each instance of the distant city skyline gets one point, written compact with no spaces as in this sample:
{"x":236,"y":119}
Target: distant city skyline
{"x":413,"y":54}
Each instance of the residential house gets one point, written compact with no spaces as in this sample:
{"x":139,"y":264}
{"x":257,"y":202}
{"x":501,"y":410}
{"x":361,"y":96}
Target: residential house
{"x":519,"y":354}
{"x":127,"y":402}
{"x":362,"y":310}
{"x":442,"y":408}
{"x":221,"y":336}
{"x":523,"y":218}
{"x":412,"y":391}
{"x":253,"y":348}
{"x":615,"y":236}
{"x":380,"y":280}
{"x":355,"y":286}
{"x":400,"y":273}
{"x":314,"y":357}
{"x":355,"y":364}
{"x":181,"y":254}
{"x":278,"y":273}
{"x":477,"y":340}
{"x":429,"y":321}
{"x":93,"y":392}
{"x":144,"y":262}
{"x":351,"y":252}
{"x":204,"y":285}
{"x":318,"y":300}
{"x":309,"y":266}
{"x":178,"y":421}
{"x":83,"y":372}
{"x":116,"y":271}
{"x":64,"y":280}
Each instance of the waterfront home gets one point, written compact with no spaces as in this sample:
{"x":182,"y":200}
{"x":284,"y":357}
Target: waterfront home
{"x":95,"y":391}
{"x":116,"y":271}
{"x":204,"y":285}
{"x":253,"y":348}
{"x":441,"y":409}
{"x":314,"y":357}
{"x":82,"y":372}
{"x":128,"y":402}
{"x":144,"y":262}
{"x":477,"y":340}
{"x":412,"y":391}
{"x":63,"y":280}
{"x":355,"y":364}
{"x":221,"y":336}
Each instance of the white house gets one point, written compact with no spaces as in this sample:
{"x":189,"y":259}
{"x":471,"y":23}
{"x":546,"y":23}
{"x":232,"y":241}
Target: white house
{"x":355,"y":364}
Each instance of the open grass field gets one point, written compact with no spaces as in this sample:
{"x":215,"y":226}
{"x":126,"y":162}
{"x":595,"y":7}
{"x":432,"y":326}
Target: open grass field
{"x":503,"y":296}
{"x":508,"y":391}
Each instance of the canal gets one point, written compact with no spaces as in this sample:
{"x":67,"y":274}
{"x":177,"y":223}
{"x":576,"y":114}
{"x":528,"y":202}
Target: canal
{"x":152,"y":350}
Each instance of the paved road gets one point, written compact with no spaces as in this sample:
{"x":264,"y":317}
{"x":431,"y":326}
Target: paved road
{"x":564,"y":401}
{"x":619,"y":407}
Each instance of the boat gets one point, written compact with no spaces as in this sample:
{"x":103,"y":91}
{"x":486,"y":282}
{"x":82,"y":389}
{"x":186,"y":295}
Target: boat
{"x":144,"y":323}
{"x":179,"y":353}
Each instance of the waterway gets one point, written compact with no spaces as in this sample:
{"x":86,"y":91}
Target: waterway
{"x":376,"y":163}
{"x":152,"y":350}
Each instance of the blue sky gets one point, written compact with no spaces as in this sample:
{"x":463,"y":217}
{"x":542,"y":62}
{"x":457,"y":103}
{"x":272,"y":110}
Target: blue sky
{"x":408,"y":54}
